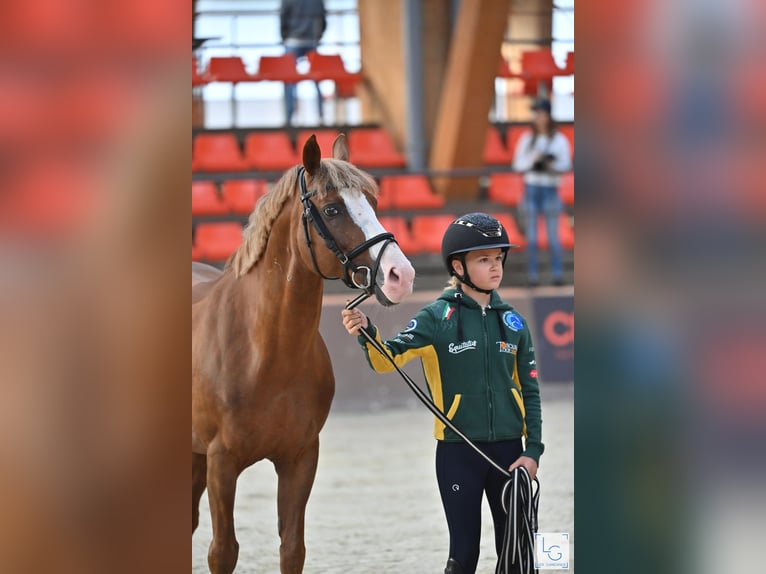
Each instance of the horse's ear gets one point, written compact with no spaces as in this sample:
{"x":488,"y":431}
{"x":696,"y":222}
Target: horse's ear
{"x":340,"y":148}
{"x":312,"y":155}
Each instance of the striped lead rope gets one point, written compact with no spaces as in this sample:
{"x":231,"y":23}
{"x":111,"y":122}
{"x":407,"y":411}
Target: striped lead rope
{"x":519,"y":501}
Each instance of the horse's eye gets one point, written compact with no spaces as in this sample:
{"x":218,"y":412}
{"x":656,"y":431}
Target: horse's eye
{"x":331,"y":210}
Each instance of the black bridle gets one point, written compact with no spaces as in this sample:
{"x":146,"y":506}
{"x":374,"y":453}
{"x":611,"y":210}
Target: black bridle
{"x":354,"y":276}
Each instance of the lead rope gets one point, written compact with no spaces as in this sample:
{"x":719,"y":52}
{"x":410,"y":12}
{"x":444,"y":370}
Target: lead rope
{"x":517,"y":555}
{"x":519,"y":503}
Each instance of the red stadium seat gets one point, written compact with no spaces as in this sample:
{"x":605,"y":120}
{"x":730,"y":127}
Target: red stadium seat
{"x":205,"y":199}
{"x":385,"y":196}
{"x":279,"y":69}
{"x":566,"y":190}
{"x":531,"y":87}
{"x":506,"y":188}
{"x":409,"y":192}
{"x":217,"y":152}
{"x":398,"y":226}
{"x":229,"y":69}
{"x":566,"y":233}
{"x":217,"y":241}
{"x":240,"y":195}
{"x":569,"y":66}
{"x":539,"y":65}
{"x":270,"y":151}
{"x":514,"y":235}
{"x":199,"y":78}
{"x":495,"y":152}
{"x":512,"y":136}
{"x":428,"y":230}
{"x":503,"y":70}
{"x":331,"y":67}
{"x":568,"y":132}
{"x":373,"y":148}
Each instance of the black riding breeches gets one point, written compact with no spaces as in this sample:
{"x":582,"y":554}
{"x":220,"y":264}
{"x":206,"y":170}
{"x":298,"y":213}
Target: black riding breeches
{"x":463,"y":478}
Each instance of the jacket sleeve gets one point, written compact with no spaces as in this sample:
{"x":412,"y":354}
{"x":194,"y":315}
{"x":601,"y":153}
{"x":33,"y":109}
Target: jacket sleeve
{"x":284,"y":18}
{"x":524,"y":156}
{"x":530,"y":390}
{"x":324,"y":20}
{"x":408,"y":344}
{"x":560,"y":149}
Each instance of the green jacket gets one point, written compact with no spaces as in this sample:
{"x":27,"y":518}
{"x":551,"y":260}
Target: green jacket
{"x":486,"y":383}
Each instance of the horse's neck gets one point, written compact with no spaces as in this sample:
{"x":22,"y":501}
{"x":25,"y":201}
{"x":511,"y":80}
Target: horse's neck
{"x":281,"y":288}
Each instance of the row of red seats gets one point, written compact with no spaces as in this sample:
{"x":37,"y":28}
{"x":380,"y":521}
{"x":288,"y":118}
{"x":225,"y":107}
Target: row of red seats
{"x":397,"y":192}
{"x":537,"y":67}
{"x":498,"y":153}
{"x":237,"y":196}
{"x":368,"y":147}
{"x":508,"y":188}
{"x":273,"y":150}
{"x":414,"y":191}
{"x":231,"y":69}
{"x":217,"y":241}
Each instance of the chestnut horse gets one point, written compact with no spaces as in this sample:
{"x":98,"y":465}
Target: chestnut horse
{"x":262,"y":382}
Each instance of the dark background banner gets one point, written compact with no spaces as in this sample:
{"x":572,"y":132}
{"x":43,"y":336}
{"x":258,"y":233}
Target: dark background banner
{"x":553,"y":332}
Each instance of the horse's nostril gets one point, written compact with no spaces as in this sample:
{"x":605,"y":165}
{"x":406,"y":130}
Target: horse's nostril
{"x":394,"y":276}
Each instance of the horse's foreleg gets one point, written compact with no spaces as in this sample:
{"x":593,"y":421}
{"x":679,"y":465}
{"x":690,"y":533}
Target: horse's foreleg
{"x":296,"y":476}
{"x":222,"y":472}
{"x":199,"y":483}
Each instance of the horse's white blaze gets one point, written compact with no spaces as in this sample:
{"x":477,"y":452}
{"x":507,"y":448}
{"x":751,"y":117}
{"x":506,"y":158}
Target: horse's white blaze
{"x":361,"y":213}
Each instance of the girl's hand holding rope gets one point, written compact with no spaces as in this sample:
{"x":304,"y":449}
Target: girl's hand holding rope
{"x":528,"y":463}
{"x":353,"y":320}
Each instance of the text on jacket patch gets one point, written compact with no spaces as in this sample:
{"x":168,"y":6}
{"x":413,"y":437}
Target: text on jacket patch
{"x":460,"y":347}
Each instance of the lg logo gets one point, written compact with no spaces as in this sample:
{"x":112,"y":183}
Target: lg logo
{"x":558,"y":328}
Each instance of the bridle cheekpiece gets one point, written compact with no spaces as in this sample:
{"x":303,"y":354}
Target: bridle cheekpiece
{"x":354,"y":276}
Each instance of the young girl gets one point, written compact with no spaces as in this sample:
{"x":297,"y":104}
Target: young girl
{"x":542,"y":154}
{"x":479,"y":363}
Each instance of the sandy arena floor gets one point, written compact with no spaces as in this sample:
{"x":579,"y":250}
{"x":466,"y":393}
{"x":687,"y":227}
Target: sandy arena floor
{"x":375,"y":506}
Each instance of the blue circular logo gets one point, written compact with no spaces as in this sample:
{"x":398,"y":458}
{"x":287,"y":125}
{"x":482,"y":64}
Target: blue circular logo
{"x":512,"y":321}
{"x":411,"y":325}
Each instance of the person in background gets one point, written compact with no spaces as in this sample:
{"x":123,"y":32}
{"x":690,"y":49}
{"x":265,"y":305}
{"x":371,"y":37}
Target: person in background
{"x":302,"y":23}
{"x":479,"y":363}
{"x":542,"y":154}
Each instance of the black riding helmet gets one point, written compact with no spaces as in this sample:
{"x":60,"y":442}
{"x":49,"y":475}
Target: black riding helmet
{"x":472,"y":232}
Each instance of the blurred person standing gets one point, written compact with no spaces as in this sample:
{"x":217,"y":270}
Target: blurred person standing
{"x":542,"y":154}
{"x":302,"y":23}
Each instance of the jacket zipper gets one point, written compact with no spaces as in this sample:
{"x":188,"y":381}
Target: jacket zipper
{"x":486,"y":375}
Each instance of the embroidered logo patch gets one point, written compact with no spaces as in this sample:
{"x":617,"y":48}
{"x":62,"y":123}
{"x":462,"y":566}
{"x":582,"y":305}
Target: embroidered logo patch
{"x":460,"y":347}
{"x":411,"y":325}
{"x":507,"y":347}
{"x":448,"y":310}
{"x":533,"y":373}
{"x":512,"y":321}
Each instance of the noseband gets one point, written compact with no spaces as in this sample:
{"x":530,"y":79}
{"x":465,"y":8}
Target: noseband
{"x":354,"y":276}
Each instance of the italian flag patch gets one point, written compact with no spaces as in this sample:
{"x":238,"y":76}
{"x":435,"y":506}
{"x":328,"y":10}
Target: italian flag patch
{"x":448,"y":309}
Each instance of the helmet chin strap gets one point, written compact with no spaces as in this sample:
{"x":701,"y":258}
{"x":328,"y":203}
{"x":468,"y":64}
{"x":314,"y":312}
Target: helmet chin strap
{"x":467,"y":279}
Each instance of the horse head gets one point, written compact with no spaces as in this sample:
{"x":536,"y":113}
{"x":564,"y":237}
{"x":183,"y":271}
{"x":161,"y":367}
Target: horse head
{"x":343,"y":236}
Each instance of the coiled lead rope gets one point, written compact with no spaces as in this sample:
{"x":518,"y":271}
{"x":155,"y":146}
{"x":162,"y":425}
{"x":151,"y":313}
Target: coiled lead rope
{"x":519,"y":501}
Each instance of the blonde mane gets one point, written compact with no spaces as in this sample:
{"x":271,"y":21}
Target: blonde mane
{"x":255,"y":237}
